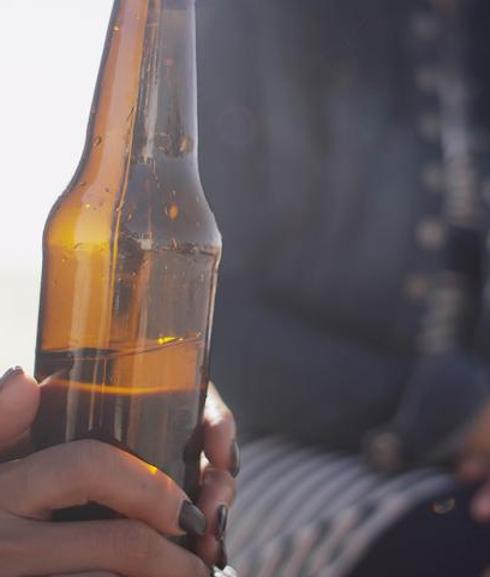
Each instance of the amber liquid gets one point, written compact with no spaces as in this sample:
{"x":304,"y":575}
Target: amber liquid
{"x":145,"y":401}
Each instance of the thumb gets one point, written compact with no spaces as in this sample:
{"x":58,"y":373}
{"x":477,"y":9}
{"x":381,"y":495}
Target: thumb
{"x":19,"y":401}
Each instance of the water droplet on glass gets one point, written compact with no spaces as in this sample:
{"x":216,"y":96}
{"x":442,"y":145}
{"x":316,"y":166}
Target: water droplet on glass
{"x":116,"y":28}
{"x":97,"y":140}
{"x":443,"y":507}
{"x":186,"y":144}
{"x":173,"y":211}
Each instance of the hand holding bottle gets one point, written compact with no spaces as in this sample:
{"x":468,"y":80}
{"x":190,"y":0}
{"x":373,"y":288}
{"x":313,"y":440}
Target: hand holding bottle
{"x":151,"y":505}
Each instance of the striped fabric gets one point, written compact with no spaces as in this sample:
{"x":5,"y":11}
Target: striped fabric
{"x":304,"y":513}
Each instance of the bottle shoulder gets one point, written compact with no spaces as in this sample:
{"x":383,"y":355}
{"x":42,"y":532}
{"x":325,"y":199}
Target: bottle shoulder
{"x":163,"y":206}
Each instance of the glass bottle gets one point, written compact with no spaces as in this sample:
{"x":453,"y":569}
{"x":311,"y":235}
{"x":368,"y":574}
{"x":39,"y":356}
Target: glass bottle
{"x":131,"y":251}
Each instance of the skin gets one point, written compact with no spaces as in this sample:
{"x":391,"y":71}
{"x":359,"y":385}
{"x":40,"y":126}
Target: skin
{"x":75,"y":473}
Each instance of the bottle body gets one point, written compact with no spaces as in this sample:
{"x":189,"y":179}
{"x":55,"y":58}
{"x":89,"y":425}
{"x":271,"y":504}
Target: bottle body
{"x":131,"y":252}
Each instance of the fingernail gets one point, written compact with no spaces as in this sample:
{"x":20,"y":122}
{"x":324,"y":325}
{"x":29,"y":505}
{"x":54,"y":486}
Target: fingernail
{"x":192,"y":519}
{"x":222,"y":522}
{"x":222,"y":562}
{"x":235,"y":459}
{"x":13,"y":372}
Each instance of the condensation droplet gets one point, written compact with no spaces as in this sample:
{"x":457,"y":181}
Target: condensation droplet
{"x":443,"y":507}
{"x":116,"y":28}
{"x":173,"y":211}
{"x":97,"y":140}
{"x":186,"y":144}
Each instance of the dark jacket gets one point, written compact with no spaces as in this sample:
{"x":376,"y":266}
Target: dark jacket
{"x":352,"y":271}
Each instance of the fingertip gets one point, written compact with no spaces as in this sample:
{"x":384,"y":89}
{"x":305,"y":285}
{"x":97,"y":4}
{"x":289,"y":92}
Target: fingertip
{"x":481,"y":507}
{"x":19,"y":402}
{"x":472,"y":469}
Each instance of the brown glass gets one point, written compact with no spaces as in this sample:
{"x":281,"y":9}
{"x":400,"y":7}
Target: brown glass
{"x":131,"y":251}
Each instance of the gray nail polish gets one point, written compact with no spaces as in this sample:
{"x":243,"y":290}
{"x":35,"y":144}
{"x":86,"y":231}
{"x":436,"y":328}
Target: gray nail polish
{"x":192,"y":520}
{"x":222,"y":562}
{"x":13,"y":372}
{"x":235,"y":460}
{"x":222,"y":522}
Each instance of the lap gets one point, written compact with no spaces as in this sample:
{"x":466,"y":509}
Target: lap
{"x":305,"y":513}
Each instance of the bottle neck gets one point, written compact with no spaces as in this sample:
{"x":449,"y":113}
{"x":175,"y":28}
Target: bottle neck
{"x":145,"y":108}
{"x":165,"y":128}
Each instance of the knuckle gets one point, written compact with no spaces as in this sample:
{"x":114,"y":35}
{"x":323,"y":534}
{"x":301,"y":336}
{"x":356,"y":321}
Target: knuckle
{"x":220,"y":485}
{"x":228,"y":419}
{"x":89,"y":450}
{"x":89,"y":457}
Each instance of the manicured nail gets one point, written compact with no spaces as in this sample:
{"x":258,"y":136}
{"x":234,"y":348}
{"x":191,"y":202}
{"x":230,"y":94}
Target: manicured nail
{"x":192,"y":520}
{"x":13,"y":372}
{"x":222,"y":562}
{"x":222,"y":522}
{"x":235,"y":459}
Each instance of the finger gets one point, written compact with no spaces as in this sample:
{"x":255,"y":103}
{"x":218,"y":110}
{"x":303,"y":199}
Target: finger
{"x":473,"y":468}
{"x":19,"y":401}
{"x":123,"y":547}
{"x":220,"y":434}
{"x":89,"y":471}
{"x":480,"y":506}
{"x":217,"y":495}
{"x":93,"y":574}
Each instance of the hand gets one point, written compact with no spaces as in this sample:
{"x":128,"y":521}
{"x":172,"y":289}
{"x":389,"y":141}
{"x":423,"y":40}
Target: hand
{"x":474,"y":463}
{"x":220,"y":467}
{"x":74,"y":474}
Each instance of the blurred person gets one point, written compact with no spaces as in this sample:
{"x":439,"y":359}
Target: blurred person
{"x":346,"y":155}
{"x":152,"y":508}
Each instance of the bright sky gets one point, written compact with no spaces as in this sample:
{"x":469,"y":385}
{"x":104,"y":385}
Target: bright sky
{"x":49,"y":56}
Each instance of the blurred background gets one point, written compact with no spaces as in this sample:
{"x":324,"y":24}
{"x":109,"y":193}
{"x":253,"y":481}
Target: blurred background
{"x":323,"y":152}
{"x":344,"y":149}
{"x":49,"y":56}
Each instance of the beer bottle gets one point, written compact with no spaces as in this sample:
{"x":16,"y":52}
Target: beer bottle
{"x":131,"y":251}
